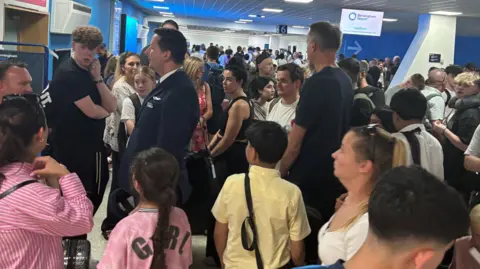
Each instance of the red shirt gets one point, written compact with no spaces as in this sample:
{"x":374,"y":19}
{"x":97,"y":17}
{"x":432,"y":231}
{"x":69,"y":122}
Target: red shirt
{"x":34,"y":218}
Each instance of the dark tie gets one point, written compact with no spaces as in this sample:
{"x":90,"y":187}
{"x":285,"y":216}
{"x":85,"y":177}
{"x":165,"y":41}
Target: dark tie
{"x":414,"y":144}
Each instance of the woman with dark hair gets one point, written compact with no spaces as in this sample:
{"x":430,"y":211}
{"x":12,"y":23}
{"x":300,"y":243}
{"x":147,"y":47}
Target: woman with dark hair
{"x":229,"y":144}
{"x":262,"y":90}
{"x":41,"y":201}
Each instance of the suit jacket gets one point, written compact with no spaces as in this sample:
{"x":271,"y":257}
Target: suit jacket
{"x":168,"y":118}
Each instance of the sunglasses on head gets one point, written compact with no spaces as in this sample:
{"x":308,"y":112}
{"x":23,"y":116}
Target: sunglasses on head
{"x":32,"y":98}
{"x":371,"y":131}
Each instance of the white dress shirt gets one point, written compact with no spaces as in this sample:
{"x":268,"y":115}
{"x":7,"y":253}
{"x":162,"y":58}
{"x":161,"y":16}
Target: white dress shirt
{"x":431,"y":153}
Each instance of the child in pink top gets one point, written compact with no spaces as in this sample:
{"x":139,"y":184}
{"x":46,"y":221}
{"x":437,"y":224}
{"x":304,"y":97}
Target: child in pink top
{"x":157,"y":234}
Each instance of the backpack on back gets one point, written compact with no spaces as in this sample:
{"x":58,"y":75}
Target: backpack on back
{"x":215,"y":81}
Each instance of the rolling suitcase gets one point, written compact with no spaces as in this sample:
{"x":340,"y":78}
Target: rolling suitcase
{"x":76,"y":254}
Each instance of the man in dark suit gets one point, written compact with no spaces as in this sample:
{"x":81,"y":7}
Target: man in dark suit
{"x":170,"y":112}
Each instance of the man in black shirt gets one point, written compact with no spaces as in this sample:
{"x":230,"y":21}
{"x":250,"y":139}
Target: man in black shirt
{"x":76,"y":103}
{"x":322,"y":119}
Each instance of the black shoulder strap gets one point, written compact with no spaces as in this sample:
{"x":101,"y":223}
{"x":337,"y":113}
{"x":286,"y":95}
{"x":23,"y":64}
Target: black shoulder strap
{"x":414,"y":144}
{"x":250,"y":220}
{"x":16,"y":187}
{"x":136,"y":104}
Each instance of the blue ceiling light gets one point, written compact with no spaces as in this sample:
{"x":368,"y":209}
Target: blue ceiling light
{"x":158,"y":7}
{"x":256,"y":16}
{"x":274,"y":10}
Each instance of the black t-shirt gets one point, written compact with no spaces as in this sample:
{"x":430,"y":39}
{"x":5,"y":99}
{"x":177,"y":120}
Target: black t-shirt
{"x":375,"y":72}
{"x":72,"y":129}
{"x":324,"y":111}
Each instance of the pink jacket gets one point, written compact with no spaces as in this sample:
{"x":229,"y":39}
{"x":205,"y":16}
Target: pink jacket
{"x":130,"y":245}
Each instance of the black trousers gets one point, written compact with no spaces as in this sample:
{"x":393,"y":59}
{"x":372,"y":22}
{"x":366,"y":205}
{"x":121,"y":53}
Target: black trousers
{"x":91,"y":167}
{"x":110,"y":221}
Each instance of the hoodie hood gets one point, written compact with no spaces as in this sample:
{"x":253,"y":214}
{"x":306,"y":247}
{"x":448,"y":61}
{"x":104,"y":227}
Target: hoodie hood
{"x":472,"y":101}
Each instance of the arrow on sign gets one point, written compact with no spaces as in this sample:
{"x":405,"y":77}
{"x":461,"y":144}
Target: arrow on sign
{"x":357,"y":49}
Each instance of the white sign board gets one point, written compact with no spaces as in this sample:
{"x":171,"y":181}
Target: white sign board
{"x":361,"y":22}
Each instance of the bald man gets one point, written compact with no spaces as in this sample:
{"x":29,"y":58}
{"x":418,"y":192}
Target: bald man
{"x":433,"y":92}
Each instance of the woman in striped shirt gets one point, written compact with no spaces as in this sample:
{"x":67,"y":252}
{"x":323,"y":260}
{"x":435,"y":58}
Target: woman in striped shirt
{"x":34,"y":218}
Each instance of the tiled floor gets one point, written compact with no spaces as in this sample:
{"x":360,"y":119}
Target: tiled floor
{"x":99,"y":244}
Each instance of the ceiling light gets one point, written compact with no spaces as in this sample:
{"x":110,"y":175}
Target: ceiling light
{"x":169,"y":16}
{"x":157,"y":7}
{"x":274,"y":10}
{"x":229,"y":31}
{"x":245,"y":20}
{"x":299,"y":1}
{"x":166,"y":13}
{"x":156,"y":0}
{"x":256,"y":16}
{"x":446,"y":13}
{"x":240,"y":22}
{"x":298,"y":26}
{"x":390,"y":20}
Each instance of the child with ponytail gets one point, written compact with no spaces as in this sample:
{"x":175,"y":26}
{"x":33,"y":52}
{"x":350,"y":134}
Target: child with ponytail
{"x":157,"y":235}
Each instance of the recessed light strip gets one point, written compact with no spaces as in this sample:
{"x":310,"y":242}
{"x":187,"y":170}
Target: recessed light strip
{"x":166,"y":13}
{"x":256,"y":16}
{"x":158,"y":7}
{"x":298,"y":26}
{"x":245,"y":20}
{"x":389,"y":20}
{"x":274,"y":10}
{"x":299,"y":1}
{"x":446,"y":13}
{"x":240,"y":22}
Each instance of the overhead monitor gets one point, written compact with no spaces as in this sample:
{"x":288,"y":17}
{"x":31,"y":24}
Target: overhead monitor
{"x":361,"y":22}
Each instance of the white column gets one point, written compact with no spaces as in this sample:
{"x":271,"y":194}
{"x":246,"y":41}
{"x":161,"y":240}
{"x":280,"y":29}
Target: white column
{"x":435,"y":35}
{"x":274,"y":42}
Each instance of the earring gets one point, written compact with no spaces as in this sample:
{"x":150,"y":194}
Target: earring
{"x":42,"y":140}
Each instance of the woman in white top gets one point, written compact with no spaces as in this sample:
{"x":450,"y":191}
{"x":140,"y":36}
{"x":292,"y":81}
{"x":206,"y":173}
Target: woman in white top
{"x":366,"y":152}
{"x":123,"y":87}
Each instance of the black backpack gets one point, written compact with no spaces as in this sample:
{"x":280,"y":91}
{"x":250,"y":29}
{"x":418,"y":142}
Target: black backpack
{"x":215,"y":81}
{"x":122,"y":133}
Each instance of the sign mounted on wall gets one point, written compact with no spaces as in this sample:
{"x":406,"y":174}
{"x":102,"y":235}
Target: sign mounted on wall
{"x":282,"y":29}
{"x":361,"y":22}
{"x":435,"y":58}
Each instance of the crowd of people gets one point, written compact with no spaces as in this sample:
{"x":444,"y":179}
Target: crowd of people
{"x":317,"y":162}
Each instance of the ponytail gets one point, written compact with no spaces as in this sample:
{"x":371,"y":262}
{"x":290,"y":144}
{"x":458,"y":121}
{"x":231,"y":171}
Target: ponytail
{"x":156,"y":172}
{"x":161,"y":236}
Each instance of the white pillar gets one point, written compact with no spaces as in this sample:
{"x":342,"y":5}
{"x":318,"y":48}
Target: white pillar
{"x":435,"y":35}
{"x":274,"y":42}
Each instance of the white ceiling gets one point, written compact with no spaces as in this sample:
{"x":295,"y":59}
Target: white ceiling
{"x":406,"y":11}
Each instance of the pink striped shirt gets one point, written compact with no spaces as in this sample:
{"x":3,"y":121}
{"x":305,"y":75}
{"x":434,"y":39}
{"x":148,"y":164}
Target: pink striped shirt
{"x":130,"y":245}
{"x":34,"y":218}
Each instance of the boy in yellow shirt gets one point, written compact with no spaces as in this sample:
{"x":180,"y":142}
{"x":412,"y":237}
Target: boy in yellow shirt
{"x":280,"y":217}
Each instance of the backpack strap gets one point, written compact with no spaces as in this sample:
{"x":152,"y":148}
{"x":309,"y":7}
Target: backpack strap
{"x":136,"y":104}
{"x":16,"y":187}
{"x":433,"y":95}
{"x":363,"y":96}
{"x":449,"y":97}
{"x":273,"y":103}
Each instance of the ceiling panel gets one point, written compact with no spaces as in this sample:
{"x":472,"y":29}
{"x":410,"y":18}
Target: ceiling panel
{"x":406,"y":11}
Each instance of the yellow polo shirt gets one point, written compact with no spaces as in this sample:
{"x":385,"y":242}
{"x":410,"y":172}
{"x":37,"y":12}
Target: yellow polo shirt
{"x":280,"y":216}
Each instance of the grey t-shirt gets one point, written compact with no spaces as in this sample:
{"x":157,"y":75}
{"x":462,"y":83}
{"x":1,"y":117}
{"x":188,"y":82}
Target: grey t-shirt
{"x":474,"y":147}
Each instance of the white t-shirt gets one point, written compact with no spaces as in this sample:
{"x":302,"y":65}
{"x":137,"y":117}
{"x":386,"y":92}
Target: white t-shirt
{"x":298,"y":62}
{"x":128,"y":110}
{"x":341,"y":244}
{"x":283,"y":114}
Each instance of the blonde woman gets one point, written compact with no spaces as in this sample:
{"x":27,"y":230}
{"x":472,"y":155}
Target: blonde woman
{"x":463,"y":259}
{"x":366,"y":152}
{"x":194,"y":68}
{"x":122,"y":89}
{"x":109,"y":72}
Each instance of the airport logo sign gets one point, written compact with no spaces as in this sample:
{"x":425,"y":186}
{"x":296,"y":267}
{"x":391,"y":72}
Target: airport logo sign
{"x":361,"y":22}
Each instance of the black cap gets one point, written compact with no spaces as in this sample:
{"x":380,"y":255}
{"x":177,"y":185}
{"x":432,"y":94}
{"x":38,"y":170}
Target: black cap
{"x":262,"y":57}
{"x":409,"y":104}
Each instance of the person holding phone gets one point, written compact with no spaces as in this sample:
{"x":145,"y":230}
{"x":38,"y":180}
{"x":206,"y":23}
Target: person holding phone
{"x":76,"y":102}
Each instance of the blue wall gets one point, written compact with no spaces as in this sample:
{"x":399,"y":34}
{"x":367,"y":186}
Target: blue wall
{"x":101,"y":14}
{"x":391,"y":44}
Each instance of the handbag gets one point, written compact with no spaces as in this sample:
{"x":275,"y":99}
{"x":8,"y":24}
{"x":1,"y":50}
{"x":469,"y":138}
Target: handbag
{"x":76,"y":254}
{"x":250,"y":220}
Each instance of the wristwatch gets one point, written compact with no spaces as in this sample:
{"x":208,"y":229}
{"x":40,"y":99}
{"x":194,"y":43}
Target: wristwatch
{"x":98,"y":81}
